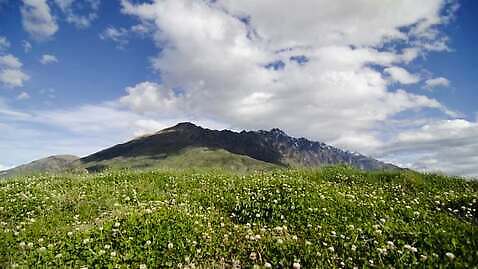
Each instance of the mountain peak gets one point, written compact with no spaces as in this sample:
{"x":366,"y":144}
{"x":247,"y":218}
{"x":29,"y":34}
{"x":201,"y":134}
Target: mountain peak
{"x":182,"y":126}
{"x":185,"y":125}
{"x":277,"y":131}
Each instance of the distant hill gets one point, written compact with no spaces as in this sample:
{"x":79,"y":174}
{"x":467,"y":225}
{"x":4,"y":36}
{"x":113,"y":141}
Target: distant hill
{"x":190,"y":146}
{"x":271,"y":147}
{"x":52,"y":164}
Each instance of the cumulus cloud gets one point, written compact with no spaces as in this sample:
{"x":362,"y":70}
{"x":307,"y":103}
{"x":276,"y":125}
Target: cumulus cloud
{"x":4,"y":43}
{"x":150,"y":96}
{"x":10,"y":61}
{"x":11,"y":74}
{"x":401,"y":75}
{"x":37,"y":19}
{"x":48,"y":59}
{"x":449,"y":146}
{"x":218,"y":55}
{"x":432,"y":83}
{"x":13,"y":77}
{"x":80,"y":13}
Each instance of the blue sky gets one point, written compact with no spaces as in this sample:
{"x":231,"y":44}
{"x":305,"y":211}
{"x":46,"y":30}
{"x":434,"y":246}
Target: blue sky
{"x":78,"y":76}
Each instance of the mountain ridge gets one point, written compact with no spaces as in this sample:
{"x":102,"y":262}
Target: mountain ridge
{"x":273,"y":146}
{"x":238,"y":150}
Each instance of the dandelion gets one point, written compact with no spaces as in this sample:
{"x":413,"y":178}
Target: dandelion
{"x":148,"y":243}
{"x":296,"y":265}
{"x":117,"y":224}
{"x":70,"y":233}
{"x":113,"y":254}
{"x":22,"y":244}
{"x":170,"y":245}
{"x":107,"y":246}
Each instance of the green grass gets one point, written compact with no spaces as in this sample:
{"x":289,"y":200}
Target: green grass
{"x":334,"y":217}
{"x":197,"y":158}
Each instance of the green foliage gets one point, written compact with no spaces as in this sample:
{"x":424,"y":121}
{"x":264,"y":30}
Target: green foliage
{"x":333,"y":217}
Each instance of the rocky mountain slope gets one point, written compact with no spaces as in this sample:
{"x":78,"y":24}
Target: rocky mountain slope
{"x":274,"y":147}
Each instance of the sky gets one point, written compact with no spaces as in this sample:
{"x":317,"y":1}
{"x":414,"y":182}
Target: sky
{"x":395,"y":80}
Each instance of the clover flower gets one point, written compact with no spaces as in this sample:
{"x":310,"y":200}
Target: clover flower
{"x":450,"y":255}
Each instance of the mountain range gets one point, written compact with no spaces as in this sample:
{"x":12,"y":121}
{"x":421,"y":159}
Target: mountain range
{"x":187,"y":145}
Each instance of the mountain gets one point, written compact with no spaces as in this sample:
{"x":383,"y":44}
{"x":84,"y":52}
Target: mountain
{"x":52,"y":164}
{"x":190,"y":146}
{"x":267,"y":147}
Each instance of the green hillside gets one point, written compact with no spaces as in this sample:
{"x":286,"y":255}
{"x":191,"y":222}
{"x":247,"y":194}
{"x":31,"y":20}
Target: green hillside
{"x":334,"y":217}
{"x":190,"y":157}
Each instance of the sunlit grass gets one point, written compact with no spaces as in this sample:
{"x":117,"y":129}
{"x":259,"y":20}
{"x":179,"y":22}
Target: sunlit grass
{"x":335,"y":217}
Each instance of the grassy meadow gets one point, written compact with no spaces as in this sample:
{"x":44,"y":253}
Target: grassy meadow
{"x":330,"y":218}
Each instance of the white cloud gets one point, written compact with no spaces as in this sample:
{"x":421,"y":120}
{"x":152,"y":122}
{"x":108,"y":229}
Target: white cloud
{"x":37,"y":19}
{"x":11,"y":74}
{"x":4,"y":43}
{"x":23,"y":96}
{"x":436,"y":82}
{"x":48,"y":59}
{"x":449,"y":146}
{"x":217,"y":61}
{"x":360,"y":23}
{"x":401,"y":75}
{"x":80,"y":13}
{"x":10,"y":61}
{"x":150,"y":96}
{"x":118,"y":35}
{"x":13,"y":77}
{"x":27,"y":47}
